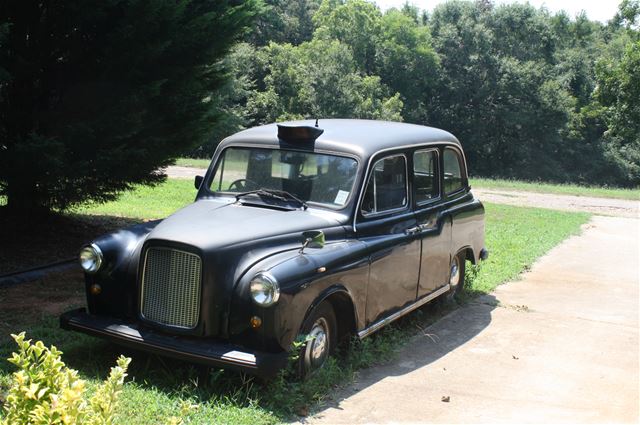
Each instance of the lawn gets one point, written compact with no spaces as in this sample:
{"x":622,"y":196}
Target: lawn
{"x":158,"y":388}
{"x":562,"y":189}
{"x":146,"y":202}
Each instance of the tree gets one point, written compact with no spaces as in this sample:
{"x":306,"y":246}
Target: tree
{"x":407,"y":62}
{"x":356,"y":23}
{"x":284,"y":21}
{"x":619,"y":93}
{"x":628,"y":14}
{"x":499,"y":97}
{"x":96,"y":95}
{"x":318,"y":79}
{"x":231,"y":98}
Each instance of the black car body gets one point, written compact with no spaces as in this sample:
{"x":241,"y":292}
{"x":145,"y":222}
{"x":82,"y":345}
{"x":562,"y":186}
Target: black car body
{"x":391,"y":201}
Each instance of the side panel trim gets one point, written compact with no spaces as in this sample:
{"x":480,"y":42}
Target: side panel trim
{"x":398,"y":314}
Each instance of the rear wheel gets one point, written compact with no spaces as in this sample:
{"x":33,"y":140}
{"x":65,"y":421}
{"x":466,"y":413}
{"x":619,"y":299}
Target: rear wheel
{"x":456,"y":275}
{"x":321,"y":331}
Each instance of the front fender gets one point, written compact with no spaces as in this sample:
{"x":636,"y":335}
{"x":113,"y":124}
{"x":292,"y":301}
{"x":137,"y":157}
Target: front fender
{"x":117,"y":277}
{"x":305,"y":280}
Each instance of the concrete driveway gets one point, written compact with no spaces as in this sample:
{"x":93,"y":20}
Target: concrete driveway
{"x":559,"y":346}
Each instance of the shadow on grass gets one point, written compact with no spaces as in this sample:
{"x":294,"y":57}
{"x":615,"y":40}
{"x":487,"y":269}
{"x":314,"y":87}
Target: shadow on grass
{"x":43,"y":239}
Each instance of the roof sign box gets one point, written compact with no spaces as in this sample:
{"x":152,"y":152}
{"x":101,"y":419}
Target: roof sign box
{"x":301,"y":133}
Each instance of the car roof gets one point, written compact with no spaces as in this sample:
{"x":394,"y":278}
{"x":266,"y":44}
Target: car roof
{"x":362,"y":138}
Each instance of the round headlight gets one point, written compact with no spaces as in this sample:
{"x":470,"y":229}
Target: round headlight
{"x":91,"y":258}
{"x":265,"y":290}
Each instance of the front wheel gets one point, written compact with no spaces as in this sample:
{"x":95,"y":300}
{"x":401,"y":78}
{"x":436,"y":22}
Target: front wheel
{"x":456,"y":276}
{"x":320,"y":330}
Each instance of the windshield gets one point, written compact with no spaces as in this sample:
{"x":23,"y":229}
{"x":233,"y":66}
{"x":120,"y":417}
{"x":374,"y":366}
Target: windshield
{"x":311,"y":177}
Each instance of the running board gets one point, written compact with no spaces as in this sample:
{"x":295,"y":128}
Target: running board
{"x":398,"y":314}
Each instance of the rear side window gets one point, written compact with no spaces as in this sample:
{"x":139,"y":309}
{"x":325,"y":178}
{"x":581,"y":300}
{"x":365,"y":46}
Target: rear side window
{"x":425,"y":174}
{"x":387,"y":186}
{"x":452,"y":171}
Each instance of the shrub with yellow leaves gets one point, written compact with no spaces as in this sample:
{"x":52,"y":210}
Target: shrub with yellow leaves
{"x":45,"y":391}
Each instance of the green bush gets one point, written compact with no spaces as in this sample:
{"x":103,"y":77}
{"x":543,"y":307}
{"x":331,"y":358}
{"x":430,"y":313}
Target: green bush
{"x":44,"y":391}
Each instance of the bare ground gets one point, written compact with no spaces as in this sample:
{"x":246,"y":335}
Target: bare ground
{"x":600,"y":206}
{"x":23,"y":304}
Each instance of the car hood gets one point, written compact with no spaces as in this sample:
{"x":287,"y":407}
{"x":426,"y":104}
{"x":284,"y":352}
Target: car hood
{"x":210,"y":223}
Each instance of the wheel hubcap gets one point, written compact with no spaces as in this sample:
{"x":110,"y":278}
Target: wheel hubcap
{"x":455,"y":273}
{"x":318,"y":346}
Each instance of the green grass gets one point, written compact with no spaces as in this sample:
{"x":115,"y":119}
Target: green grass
{"x":158,"y":387}
{"x":563,"y":189}
{"x":146,"y":202}
{"x":193,"y":162}
{"x":515,"y":238}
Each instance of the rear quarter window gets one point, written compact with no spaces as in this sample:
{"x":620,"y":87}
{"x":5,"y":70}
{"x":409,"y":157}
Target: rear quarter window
{"x":453,"y":171}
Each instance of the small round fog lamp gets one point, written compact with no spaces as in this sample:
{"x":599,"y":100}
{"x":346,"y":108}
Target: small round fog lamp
{"x":95,"y":289}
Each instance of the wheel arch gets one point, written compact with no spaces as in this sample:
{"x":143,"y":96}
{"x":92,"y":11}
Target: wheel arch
{"x":469,"y":254}
{"x":343,"y":307}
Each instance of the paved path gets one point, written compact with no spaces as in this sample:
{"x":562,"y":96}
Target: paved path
{"x":178,"y":172}
{"x":602,"y":206}
{"x":561,"y":346}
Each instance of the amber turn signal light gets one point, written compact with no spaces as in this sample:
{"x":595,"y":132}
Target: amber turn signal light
{"x":95,"y":289}
{"x":255,"y":322}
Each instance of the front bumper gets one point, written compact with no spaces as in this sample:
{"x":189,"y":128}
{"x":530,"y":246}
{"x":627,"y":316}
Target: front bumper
{"x":205,"y":351}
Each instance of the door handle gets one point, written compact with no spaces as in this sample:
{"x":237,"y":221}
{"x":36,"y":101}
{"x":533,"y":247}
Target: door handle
{"x":412,"y":230}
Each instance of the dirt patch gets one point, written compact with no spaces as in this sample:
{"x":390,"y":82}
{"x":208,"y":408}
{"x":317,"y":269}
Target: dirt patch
{"x":24,"y":304}
{"x":599,"y":206}
{"x":178,"y":172}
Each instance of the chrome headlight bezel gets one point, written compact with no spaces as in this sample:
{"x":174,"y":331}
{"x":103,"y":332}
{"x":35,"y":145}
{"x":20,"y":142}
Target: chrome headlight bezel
{"x":91,"y":258}
{"x":264,"y":288}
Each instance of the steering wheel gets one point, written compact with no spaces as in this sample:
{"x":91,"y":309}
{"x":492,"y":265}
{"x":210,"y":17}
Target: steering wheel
{"x":241,"y":185}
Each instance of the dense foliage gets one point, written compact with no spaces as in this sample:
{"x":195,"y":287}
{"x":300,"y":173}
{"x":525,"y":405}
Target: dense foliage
{"x":95,"y":95}
{"x":44,"y":391}
{"x":531,"y":95}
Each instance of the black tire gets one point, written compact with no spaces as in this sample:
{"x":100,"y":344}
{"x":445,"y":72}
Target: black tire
{"x":313,"y":355}
{"x":456,"y":276}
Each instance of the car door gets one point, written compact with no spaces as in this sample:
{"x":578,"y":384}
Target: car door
{"x":387,"y":225}
{"x":434,"y":227}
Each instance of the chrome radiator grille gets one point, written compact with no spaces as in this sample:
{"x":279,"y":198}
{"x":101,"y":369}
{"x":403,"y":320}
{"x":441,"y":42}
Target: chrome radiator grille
{"x":171,"y":287}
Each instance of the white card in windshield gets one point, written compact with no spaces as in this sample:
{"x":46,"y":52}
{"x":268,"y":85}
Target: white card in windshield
{"x":341,"y":197}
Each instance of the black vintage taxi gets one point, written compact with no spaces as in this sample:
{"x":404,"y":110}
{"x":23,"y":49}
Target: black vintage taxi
{"x":317,"y":229}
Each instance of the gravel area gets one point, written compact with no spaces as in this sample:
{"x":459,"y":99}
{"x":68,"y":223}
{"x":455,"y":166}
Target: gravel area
{"x":178,"y":172}
{"x":599,"y":206}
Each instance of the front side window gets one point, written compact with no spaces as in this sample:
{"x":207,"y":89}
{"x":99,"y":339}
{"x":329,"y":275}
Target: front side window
{"x":387,"y":186}
{"x":425,"y":175}
{"x":452,"y":171}
{"x":312,"y":177}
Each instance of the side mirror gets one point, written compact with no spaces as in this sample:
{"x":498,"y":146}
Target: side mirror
{"x":197,"y":182}
{"x":312,"y":239}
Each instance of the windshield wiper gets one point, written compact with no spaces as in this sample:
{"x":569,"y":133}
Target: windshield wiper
{"x":281,"y":195}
